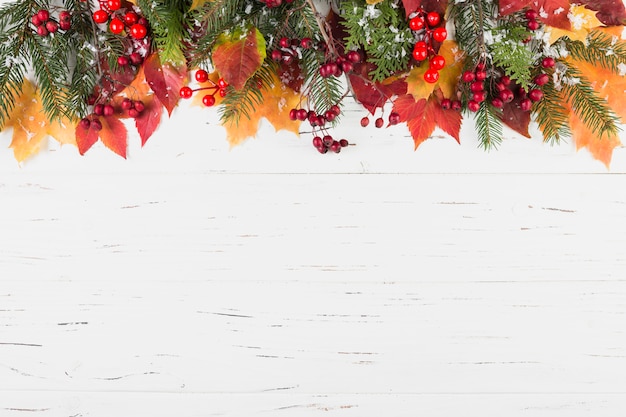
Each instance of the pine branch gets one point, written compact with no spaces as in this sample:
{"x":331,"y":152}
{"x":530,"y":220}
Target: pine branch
{"x":587,"y":105}
{"x":488,"y":126}
{"x":601,"y":49}
{"x":238,"y":103}
{"x":167,"y":22}
{"x":552,"y":117}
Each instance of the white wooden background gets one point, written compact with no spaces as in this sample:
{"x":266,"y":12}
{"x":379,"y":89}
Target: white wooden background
{"x":269,"y":280}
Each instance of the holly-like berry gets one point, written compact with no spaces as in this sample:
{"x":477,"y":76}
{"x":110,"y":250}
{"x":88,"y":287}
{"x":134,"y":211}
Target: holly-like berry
{"x":96,"y":125}
{"x":138,"y":31}
{"x":344,"y":143}
{"x":202,"y":76}
{"x":133,"y":112}
{"x":433,"y":19}
{"x":416,"y":23}
{"x":379,"y":122}
{"x":122,"y":61}
{"x":42,"y":31}
{"x":65,"y":16}
{"x":126,"y":104}
{"x":208,"y":100}
{"x":186,"y":92}
{"x":354,"y":57}
{"x":108,"y":110}
{"x":506,"y":96}
{"x":293,"y":114}
{"x":456,"y":105}
{"x":535,"y":94}
{"x":481,"y":75}
{"x":440,"y":34}
{"x":431,"y":75}
{"x":98,"y":109}
{"x":130,"y":18}
{"x":446,"y":103}
{"x":531,"y":14}
{"x":541,"y":79}
{"x":473,"y":105}
{"x":114,"y":4}
{"x":533,"y":25}
{"x":221,"y":83}
{"x":85,"y":123}
{"x":505,"y":79}
{"x":479,"y":96}
{"x":468,"y":76}
{"x":139,"y":106}
{"x":394,"y":118}
{"x":52,"y":26}
{"x":477,"y":86}
{"x":318,"y":142}
{"x":437,"y":62}
{"x":420,"y":54}
{"x":497,"y":103}
{"x":365,"y":121}
{"x":335,"y":147}
{"x":43,"y":15}
{"x":548,"y":62}
{"x":328,"y":140}
{"x":100,"y":16}
{"x":525,"y":104}
{"x":35,"y":20}
{"x":276,"y":55}
{"x":284,"y":42}
{"x":116,"y":26}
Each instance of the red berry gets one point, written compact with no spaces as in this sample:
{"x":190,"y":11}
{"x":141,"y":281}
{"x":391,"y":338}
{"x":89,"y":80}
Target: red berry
{"x":477,"y":86}
{"x":330,"y":116}
{"x":525,"y":104}
{"x":505,"y":79}
{"x":335,"y":109}
{"x":202,"y":76}
{"x":481,"y":66}
{"x":293,"y":114}
{"x":302,"y":115}
{"x":85,"y":123}
{"x":535,"y":94}
{"x":533,"y":25}
{"x":446,"y":103}
{"x":542,"y":79}
{"x":130,"y":18}
{"x":96,"y":125}
{"x":134,"y":113}
{"x":379,"y":122}
{"x":354,"y":57}
{"x":500,"y":86}
{"x":35,"y":20}
{"x":42,"y":31}
{"x":138,"y":31}
{"x":135,"y":58}
{"x":479,"y":96}
{"x":347,"y":66}
{"x":276,"y":55}
{"x":506,"y":96}
{"x":98,"y":109}
{"x":440,"y":34}
{"x":223,"y":92}
{"x":497,"y":103}
{"x":127,"y":104}
{"x":114,"y":4}
{"x":531,"y":14}
{"x":473,"y":105}
{"x":417,"y":23}
{"x":122,"y":61}
{"x":221,"y":83}
{"x":43,"y":15}
{"x":328,"y":140}
{"x":394,"y":118}
{"x":65,"y":24}
{"x":100,"y":16}
{"x":335,"y":147}
{"x":481,"y":75}
{"x":139,"y":106}
{"x":208,"y":100}
{"x":343,"y":143}
{"x":365,"y":121}
{"x":548,"y":62}
{"x":108,"y":110}
{"x":468,"y":76}
{"x":116,"y":26}
{"x":65,"y":16}
{"x":186,"y":92}
{"x":420,"y":54}
{"x":456,"y":105}
{"x":431,"y":75}
{"x":433,"y":19}
{"x":318,"y":142}
{"x":284,"y":42}
{"x":306,"y":43}
{"x":437,"y":62}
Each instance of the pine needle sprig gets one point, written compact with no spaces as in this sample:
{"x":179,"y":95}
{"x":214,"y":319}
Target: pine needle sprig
{"x":488,"y":126}
{"x":551,"y":116}
{"x":587,"y":105}
{"x":601,"y":49}
{"x":167,"y":23}
{"x":242,"y":103}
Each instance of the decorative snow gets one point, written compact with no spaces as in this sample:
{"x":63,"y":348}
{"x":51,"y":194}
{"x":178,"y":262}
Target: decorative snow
{"x":621,"y":67}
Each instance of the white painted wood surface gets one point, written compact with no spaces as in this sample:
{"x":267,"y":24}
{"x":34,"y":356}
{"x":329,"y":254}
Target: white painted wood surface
{"x":269,"y":280}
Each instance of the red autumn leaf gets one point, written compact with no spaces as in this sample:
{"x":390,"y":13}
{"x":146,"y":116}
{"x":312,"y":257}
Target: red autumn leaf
{"x":149,"y":120}
{"x":238,"y":57}
{"x":515,"y":118}
{"x":423,"y":116}
{"x":438,"y":6}
{"x":165,"y":80}
{"x":85,"y":138}
{"x":290,"y":74}
{"x":373,"y":95}
{"x":610,"y":12}
{"x":114,"y":81}
{"x":551,"y":12}
{"x":114,"y":135}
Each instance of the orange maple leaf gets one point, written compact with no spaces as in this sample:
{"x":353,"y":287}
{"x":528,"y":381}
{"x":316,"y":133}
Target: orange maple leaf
{"x":583,"y":20}
{"x":31,"y":126}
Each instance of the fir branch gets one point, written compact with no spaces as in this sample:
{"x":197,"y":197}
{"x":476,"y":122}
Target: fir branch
{"x":601,"y":49}
{"x":488,"y":126}
{"x":587,"y":105}
{"x":238,"y":103}
{"x":551,"y":116}
{"x":167,"y":23}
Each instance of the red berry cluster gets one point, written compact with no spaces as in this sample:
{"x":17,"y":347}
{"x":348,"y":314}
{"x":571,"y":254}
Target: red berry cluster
{"x":121,"y":19}
{"x":394,"y":119}
{"x":47,"y":25}
{"x":425,"y":27}
{"x":532,"y":23}
{"x":275,"y":3}
{"x":133,"y":108}
{"x":315,"y":119}
{"x":336,"y":67}
{"x":476,"y":80}
{"x":328,"y":143}
{"x":208,"y":100}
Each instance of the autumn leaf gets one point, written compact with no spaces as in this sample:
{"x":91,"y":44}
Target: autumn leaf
{"x":422,"y":116}
{"x":238,"y":56}
{"x":113,"y":135}
{"x":196,"y":4}
{"x":514,"y":117}
{"x":411,"y":6}
{"x":150,"y":118}
{"x":31,"y":126}
{"x":370,"y":94}
{"x":583,"y":20}
{"x":277,"y":102}
{"x":448,"y":75}
{"x":551,"y":12}
{"x":610,"y":12}
{"x":165,"y":79}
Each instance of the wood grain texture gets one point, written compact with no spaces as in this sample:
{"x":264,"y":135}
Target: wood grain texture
{"x":269,"y":280}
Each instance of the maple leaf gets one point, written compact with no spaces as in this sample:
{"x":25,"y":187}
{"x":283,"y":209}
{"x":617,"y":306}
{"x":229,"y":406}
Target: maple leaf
{"x":31,"y":126}
{"x":277,"y":102}
{"x":165,"y":79}
{"x":113,"y":135}
{"x":422,"y":116}
{"x":583,"y":20}
{"x":610,"y":12}
{"x":373,"y":95}
{"x":238,"y":56}
{"x":149,"y":120}
{"x":551,"y":12}
{"x":448,"y":75}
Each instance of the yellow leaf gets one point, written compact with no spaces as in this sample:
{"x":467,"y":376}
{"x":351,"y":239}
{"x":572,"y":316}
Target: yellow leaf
{"x":277,"y":102}
{"x":29,"y":123}
{"x":198,"y":3}
{"x":582,"y":19}
{"x":448,"y":75}
{"x":64,"y":131}
{"x":373,"y":1}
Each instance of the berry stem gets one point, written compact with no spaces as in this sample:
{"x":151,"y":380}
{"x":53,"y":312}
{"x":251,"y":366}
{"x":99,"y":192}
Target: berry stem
{"x":321,"y":22}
